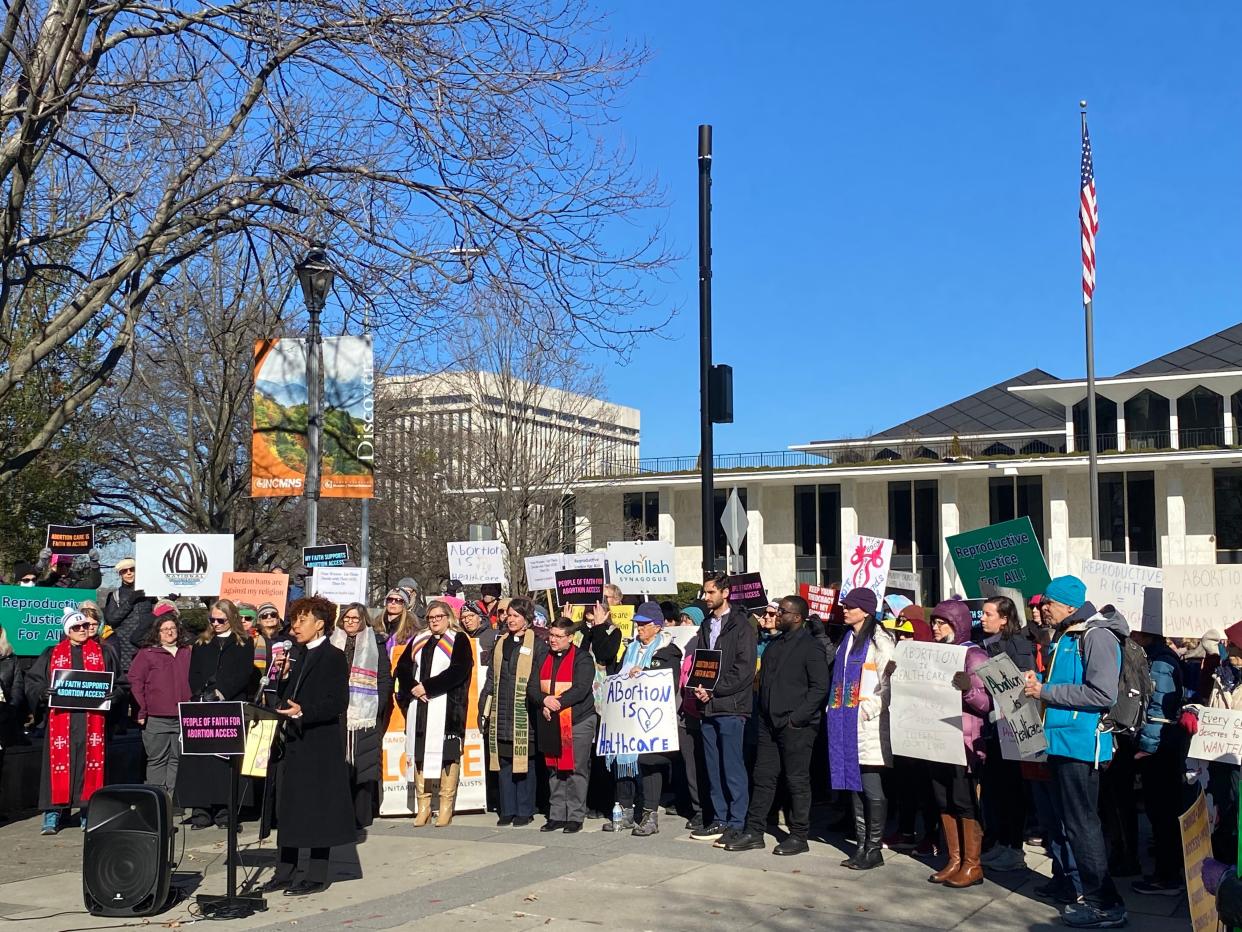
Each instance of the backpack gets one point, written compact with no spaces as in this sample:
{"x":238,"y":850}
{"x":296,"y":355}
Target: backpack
{"x":1134,"y":689}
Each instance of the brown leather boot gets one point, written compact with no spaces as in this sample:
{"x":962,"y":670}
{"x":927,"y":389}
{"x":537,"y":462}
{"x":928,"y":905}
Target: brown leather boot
{"x":971,"y":873}
{"x":422,"y":814}
{"x":953,"y":845}
{"x":448,"y":794}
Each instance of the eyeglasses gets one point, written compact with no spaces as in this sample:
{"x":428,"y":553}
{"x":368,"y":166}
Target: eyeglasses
{"x":559,"y":635}
{"x":269,"y":616}
{"x":78,"y":627}
{"x":351,"y":618}
{"x":438,"y":617}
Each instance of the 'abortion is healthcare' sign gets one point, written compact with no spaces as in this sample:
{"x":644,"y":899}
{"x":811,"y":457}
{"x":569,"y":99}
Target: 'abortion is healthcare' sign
{"x":638,"y":714}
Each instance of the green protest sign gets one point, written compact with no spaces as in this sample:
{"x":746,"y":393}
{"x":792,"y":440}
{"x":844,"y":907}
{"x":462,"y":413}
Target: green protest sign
{"x":1006,"y":554}
{"x":31,"y":615}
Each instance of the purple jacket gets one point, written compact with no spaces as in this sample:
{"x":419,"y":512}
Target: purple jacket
{"x":976,"y":703}
{"x":160,"y":680}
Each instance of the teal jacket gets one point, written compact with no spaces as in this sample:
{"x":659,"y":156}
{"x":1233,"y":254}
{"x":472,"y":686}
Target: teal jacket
{"x":1081,"y":685}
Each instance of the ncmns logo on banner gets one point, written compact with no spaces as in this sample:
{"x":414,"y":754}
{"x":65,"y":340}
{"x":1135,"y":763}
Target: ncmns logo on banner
{"x":185,"y":564}
{"x":265,"y":483}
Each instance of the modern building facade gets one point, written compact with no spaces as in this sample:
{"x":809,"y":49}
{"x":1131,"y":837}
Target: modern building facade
{"x":1169,"y":433}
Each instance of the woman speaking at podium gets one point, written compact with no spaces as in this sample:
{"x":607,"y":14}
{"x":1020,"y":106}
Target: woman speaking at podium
{"x":314,"y":807}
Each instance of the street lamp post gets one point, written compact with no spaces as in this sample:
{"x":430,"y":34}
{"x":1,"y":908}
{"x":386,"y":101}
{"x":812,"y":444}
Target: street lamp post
{"x":316,"y":276}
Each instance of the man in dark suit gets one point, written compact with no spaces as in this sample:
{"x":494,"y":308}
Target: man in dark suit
{"x":793,"y":685}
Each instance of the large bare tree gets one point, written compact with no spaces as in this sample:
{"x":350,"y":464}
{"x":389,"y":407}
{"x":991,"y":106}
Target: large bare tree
{"x":136,"y":136}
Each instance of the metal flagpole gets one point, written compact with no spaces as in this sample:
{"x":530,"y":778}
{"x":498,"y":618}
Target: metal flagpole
{"x":1093,"y":464}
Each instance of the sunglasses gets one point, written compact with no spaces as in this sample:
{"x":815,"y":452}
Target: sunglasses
{"x":268,"y":616}
{"x":395,"y":601}
{"x":219,"y":621}
{"x":128,"y":569}
{"x":29,"y":578}
{"x":78,"y":627}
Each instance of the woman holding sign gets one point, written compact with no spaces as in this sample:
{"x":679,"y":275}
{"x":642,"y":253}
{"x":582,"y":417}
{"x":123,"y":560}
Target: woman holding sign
{"x":433,"y":677}
{"x":858,"y":748}
{"x":653,"y":648}
{"x":956,"y":787}
{"x":76,"y":742}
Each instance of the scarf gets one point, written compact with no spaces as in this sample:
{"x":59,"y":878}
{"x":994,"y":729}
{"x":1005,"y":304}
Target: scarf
{"x":557,"y":686}
{"x":261,"y":651}
{"x":636,"y":655}
{"x":363,"y":680}
{"x":843,"y":714}
{"x":58,"y":741}
{"x":521,"y":723}
{"x":437,"y":706}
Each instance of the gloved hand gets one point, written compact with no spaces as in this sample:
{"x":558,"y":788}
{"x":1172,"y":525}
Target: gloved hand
{"x":1189,"y":721}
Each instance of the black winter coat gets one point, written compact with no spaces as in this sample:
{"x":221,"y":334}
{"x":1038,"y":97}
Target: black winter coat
{"x":794,"y":680}
{"x":12,"y":684}
{"x":224,"y":666}
{"x":735,"y":690}
{"x":314,"y":806}
{"x":604,"y":643}
{"x":579,"y":696}
{"x":128,"y":611}
{"x":507,"y":653}
{"x":453,"y":683}
{"x":367,"y":742}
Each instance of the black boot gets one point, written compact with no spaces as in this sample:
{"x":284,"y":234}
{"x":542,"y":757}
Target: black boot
{"x":860,"y":832}
{"x":872,"y":856}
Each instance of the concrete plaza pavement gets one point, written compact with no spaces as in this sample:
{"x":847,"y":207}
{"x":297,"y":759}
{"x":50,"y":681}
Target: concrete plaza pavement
{"x":475,"y":875}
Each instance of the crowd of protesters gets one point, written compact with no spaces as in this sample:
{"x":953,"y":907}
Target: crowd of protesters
{"x":799,"y":712}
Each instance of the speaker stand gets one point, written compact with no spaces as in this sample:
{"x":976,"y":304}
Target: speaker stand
{"x":231,"y":905}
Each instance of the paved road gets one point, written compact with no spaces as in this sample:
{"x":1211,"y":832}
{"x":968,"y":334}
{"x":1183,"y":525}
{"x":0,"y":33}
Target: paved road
{"x":473,"y":875}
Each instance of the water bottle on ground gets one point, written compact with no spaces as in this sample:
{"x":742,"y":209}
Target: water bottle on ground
{"x":618,"y":815}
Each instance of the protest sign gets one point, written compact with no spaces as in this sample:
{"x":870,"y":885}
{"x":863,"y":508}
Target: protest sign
{"x":340,"y":584}
{"x":638,"y":715}
{"x":870,"y":559}
{"x":256,"y":588}
{"x":642,"y":566}
{"x":623,"y":617}
{"x":1198,"y":598}
{"x":71,"y":539}
{"x":1135,"y":591}
{"x":904,"y":583}
{"x":397,"y":796}
{"x":1197,"y":848}
{"x":1219,"y":737}
{"x":1005,"y":684}
{"x":681,"y":635}
{"x":592,"y":560}
{"x":187,"y":564}
{"x":925,"y":713}
{"x":746,"y":590}
{"x":213,"y":728}
{"x":541,"y":570}
{"x":580,"y":587}
{"x":1005,"y":554}
{"x":475,"y":562}
{"x":705,"y":669}
{"x":32,"y":617}
{"x":819,"y":599}
{"x":325,"y":555}
{"x":81,"y":689}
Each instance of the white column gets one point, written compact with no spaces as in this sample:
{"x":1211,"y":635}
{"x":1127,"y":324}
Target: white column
{"x":1229,"y":428}
{"x":950,"y":524}
{"x":754,"y":530}
{"x":1174,"y":440}
{"x":1069,"y":428}
{"x":1121,"y":428}
{"x":582,"y":533}
{"x":849,"y":514}
{"x":1175,"y":507}
{"x":1058,"y":522}
{"x":668,"y":521}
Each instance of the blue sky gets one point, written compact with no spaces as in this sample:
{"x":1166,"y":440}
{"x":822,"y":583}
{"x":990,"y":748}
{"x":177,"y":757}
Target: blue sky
{"x":895,"y":199}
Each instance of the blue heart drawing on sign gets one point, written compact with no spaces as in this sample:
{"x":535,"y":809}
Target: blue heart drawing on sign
{"x":649,"y":718}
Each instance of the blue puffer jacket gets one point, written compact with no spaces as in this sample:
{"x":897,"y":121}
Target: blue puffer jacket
{"x":1161,"y":731}
{"x":1081,"y":684}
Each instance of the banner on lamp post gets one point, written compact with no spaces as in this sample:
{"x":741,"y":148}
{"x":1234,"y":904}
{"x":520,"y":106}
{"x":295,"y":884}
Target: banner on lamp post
{"x":348,"y":442}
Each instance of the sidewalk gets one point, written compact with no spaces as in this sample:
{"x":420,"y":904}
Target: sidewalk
{"x":474,"y":875}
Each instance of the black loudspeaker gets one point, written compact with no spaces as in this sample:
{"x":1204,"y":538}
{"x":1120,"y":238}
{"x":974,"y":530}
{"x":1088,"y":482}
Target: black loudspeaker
{"x":127,"y":854}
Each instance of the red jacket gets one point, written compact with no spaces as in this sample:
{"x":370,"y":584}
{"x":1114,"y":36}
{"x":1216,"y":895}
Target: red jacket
{"x":160,"y":680}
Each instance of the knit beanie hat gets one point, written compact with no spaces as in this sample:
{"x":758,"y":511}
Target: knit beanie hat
{"x":694,"y":613}
{"x":1068,"y":590}
{"x":164,"y":607}
{"x":861,"y":597}
{"x":73,"y":617}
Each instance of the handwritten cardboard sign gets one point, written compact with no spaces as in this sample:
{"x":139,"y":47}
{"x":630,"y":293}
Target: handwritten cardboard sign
{"x":1005,"y":684}
{"x":1197,"y":848}
{"x":70,"y":538}
{"x":705,"y":670}
{"x":1135,"y":591}
{"x":638,"y":715}
{"x":925,"y":713}
{"x":81,"y":689}
{"x":869,"y":560}
{"x":474,"y":562}
{"x":1198,"y":598}
{"x":580,"y":587}
{"x":340,"y":584}
{"x":213,"y":728}
{"x":541,"y":570}
{"x":1219,"y":737}
{"x":746,"y":590}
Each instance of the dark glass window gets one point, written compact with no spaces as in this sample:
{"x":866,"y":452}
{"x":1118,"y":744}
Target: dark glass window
{"x":1147,"y":421}
{"x":1200,"y":419}
{"x":817,"y":534}
{"x":640,"y":514}
{"x":914,"y":526}
{"x":1105,"y":424}
{"x":1228,"y":503}
{"x":1128,"y":518}
{"x":1012,"y":497}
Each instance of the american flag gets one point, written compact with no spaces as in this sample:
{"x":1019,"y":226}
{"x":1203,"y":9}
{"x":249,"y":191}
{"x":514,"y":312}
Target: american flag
{"x":1089,"y":218}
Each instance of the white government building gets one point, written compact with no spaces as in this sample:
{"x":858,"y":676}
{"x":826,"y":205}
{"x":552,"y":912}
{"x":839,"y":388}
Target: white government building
{"x":1170,"y":479}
